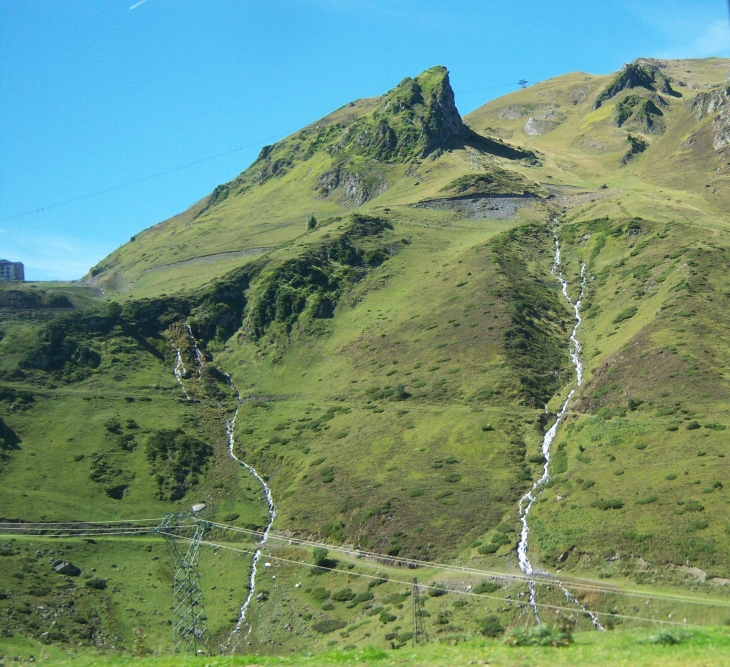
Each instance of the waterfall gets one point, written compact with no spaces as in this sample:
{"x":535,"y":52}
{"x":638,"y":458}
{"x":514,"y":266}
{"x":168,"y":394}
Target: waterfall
{"x":529,"y":499}
{"x":231,"y":428}
{"x":230,"y":435}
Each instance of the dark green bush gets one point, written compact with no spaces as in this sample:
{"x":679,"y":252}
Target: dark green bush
{"x":491,"y":627}
{"x":506,"y":528}
{"x":320,"y":593}
{"x":319,"y":555}
{"x":175,"y":457}
{"x":487,"y":587}
{"x":539,"y":635}
{"x":328,"y":625}
{"x":488,"y":549}
{"x":500,"y":538}
{"x":611,"y":504}
{"x":437,"y":590}
{"x":343,"y":595}
{"x":625,"y":314}
{"x":96,"y":582}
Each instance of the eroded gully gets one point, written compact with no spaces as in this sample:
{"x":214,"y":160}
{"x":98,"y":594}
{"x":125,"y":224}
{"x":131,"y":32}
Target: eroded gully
{"x":530,"y":498}
{"x":180,"y":371}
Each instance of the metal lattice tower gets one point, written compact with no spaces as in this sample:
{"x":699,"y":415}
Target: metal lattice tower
{"x":419,"y":625}
{"x":189,"y":622}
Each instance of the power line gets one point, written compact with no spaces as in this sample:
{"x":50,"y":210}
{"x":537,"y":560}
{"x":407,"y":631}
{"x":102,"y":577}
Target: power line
{"x":88,"y":195}
{"x":546,"y":580}
{"x":430,"y":587}
{"x":137,"y":180}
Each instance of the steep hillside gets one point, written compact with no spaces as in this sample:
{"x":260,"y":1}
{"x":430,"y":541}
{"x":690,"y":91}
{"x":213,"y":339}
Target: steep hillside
{"x":397,"y":148}
{"x":370,"y":317}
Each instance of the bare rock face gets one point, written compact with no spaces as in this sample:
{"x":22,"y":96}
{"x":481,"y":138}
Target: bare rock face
{"x":708,"y":103}
{"x":721,"y":129}
{"x":68,"y":568}
{"x":543,"y":122}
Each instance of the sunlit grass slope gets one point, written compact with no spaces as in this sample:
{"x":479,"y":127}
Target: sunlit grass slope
{"x":378,"y":287}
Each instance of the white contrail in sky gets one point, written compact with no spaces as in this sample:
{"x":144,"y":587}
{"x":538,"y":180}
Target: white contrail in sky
{"x":141,"y":2}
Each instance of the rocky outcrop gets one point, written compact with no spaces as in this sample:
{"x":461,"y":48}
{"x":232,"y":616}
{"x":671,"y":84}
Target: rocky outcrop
{"x":66,"y":567}
{"x":706,"y":104}
{"x":414,"y":119}
{"x":636,"y":75}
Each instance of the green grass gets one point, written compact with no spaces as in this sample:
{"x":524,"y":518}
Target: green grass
{"x":396,"y":380}
{"x":620,"y":648}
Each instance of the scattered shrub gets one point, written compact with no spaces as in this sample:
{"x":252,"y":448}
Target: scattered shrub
{"x":692,"y":426}
{"x":491,"y":627}
{"x":175,"y":458}
{"x":487,"y":549}
{"x":646,"y":501}
{"x":96,"y":582}
{"x":666,"y":638}
{"x":343,"y":595}
{"x":540,"y":635}
{"x":320,"y":593}
{"x":319,"y":555}
{"x":328,"y":625}
{"x":611,"y":504}
{"x":363,"y":597}
{"x":487,"y":587}
{"x":436,"y":590}
{"x":625,"y":314}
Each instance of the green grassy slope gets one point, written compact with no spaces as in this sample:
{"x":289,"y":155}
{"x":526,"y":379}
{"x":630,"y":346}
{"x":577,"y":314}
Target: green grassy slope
{"x":394,"y":362}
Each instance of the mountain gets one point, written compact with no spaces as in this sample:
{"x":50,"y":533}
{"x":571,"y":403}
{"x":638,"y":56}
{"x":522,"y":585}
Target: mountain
{"x":376,"y":300}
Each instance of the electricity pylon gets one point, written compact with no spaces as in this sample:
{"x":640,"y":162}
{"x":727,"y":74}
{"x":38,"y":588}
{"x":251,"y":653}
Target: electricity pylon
{"x":419,"y":624}
{"x":522,"y":83}
{"x":189,"y":622}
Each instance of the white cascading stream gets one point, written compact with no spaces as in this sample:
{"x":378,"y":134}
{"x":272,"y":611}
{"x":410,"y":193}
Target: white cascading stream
{"x":529,"y":499}
{"x":179,"y":370}
{"x":230,"y":434}
{"x":231,"y":431}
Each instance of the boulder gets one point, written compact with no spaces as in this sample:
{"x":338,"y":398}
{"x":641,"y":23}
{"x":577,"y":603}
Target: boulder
{"x":68,"y":568}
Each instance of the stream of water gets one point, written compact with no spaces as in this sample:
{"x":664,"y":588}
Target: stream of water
{"x":180,"y":371}
{"x":529,"y":499}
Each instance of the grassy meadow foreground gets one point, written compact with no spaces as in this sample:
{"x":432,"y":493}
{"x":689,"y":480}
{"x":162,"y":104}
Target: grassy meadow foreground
{"x":375,"y":298}
{"x":708,"y":647}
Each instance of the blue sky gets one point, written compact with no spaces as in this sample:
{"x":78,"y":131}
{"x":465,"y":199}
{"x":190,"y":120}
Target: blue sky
{"x":95,"y":94}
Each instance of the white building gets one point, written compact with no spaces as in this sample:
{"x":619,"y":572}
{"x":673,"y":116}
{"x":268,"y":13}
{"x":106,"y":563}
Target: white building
{"x":11,"y":270}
